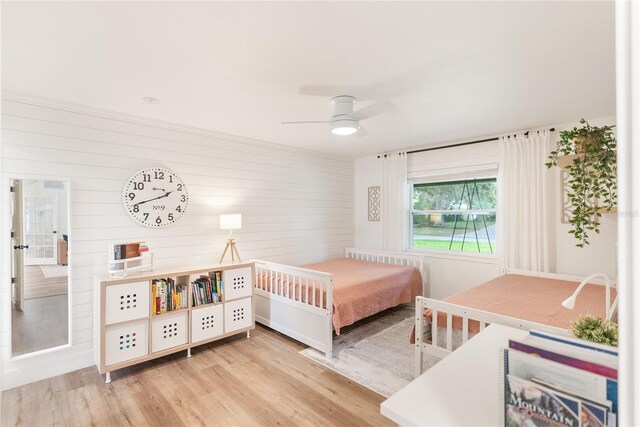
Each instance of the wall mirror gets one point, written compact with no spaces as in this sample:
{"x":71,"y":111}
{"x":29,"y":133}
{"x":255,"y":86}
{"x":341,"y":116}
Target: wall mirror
{"x":40,"y":266}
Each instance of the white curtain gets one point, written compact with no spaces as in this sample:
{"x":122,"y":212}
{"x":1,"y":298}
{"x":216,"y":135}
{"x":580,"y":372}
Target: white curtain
{"x":526,"y":203}
{"x":394,"y":201}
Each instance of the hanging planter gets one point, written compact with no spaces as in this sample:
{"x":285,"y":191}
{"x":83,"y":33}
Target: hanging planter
{"x":589,"y":155}
{"x":584,"y":143}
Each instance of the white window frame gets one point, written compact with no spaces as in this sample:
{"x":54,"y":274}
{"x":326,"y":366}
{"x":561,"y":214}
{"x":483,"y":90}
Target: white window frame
{"x":448,"y":175}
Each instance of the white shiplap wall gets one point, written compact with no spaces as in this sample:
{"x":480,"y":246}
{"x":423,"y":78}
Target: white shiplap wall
{"x":297,"y":206}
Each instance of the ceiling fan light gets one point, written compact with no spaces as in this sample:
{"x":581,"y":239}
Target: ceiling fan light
{"x":344,"y":127}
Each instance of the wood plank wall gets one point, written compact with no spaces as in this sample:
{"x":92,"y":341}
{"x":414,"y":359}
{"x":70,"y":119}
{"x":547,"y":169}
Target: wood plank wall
{"x":297,"y":206}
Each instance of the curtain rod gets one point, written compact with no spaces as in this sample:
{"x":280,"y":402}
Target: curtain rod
{"x":479,"y":141}
{"x":464,"y":143}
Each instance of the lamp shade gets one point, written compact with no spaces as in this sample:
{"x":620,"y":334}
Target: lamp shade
{"x":231,"y":221}
{"x":570,"y":302}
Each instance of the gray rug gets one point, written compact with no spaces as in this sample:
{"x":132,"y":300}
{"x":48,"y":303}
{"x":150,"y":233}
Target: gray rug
{"x":375,"y":352}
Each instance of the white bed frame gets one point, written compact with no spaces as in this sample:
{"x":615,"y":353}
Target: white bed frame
{"x":484,"y":318}
{"x":289,"y":304}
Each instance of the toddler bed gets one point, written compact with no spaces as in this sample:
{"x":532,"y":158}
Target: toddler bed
{"x":520,"y":299}
{"x":308,"y":303}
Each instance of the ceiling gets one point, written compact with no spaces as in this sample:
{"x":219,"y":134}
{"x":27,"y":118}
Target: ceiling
{"x":443,"y":71}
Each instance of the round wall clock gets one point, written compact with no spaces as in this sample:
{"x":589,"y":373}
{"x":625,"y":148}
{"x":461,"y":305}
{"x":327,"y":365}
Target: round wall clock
{"x":155,"y":197}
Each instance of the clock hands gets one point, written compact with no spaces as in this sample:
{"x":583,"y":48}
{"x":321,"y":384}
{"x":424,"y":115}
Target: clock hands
{"x":155,"y":198}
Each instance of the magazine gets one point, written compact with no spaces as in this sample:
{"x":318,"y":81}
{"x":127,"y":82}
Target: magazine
{"x":528,"y":404}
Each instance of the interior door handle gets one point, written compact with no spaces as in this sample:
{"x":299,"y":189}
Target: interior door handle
{"x":21,"y":247}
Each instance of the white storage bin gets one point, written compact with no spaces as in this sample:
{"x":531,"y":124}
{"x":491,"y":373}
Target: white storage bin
{"x":126,"y":342}
{"x":237,"y":315}
{"x":206,"y":323}
{"x":126,"y":302}
{"x":169,"y":330}
{"x":237,"y":283}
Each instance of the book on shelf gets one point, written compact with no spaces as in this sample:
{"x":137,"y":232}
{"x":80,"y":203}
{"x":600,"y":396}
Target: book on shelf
{"x":168,"y":296}
{"x":207,"y":289}
{"x":218,"y":283}
{"x":120,"y":251}
{"x":564,"y":371}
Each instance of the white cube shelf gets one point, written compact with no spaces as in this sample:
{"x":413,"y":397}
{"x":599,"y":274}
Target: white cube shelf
{"x":126,"y":302}
{"x":126,"y":341}
{"x":206,"y":323}
{"x":126,"y":332}
{"x":169,"y":330}
{"x":237,"y":283}
{"x":237,"y":315}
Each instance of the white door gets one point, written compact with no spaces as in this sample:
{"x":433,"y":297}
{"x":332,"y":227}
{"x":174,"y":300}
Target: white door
{"x":40,"y":234}
{"x":17,"y":246}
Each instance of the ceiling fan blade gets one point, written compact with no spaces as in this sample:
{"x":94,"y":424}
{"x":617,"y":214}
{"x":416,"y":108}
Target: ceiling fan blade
{"x":362,"y":132}
{"x":305,"y":122}
{"x":373,"y":110}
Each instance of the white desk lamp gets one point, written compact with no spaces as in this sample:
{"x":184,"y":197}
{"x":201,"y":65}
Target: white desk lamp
{"x":610,"y":309}
{"x":230,"y":222}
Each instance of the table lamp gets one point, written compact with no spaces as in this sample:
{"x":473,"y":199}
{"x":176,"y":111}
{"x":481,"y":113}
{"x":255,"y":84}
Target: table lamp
{"x":610,"y":309}
{"x":230,"y":222}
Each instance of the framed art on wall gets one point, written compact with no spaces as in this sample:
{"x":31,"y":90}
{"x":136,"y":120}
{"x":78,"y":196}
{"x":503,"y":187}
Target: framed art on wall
{"x":374,"y":203}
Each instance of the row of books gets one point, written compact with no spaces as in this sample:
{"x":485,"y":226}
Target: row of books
{"x":118,"y":251}
{"x":168,"y":296}
{"x":207,"y":289}
{"x":551,"y":380}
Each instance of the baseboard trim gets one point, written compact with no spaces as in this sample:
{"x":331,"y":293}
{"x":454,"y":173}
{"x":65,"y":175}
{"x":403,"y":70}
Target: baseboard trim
{"x":20,"y":374}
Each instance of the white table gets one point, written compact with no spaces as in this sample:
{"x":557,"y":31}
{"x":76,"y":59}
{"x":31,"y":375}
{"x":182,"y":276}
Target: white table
{"x":461,"y":390}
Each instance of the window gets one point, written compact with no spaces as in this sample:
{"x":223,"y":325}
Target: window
{"x":455,"y":215}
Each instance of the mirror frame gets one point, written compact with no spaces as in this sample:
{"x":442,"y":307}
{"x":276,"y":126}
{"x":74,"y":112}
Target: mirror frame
{"x":69,"y":280}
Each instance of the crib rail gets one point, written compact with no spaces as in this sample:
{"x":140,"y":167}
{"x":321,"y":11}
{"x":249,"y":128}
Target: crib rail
{"x":441,"y":345}
{"x":310,"y":287}
{"x":297,"y":302}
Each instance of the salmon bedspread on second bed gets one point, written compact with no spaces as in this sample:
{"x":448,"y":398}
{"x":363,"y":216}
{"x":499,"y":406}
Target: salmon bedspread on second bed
{"x":531,"y":298}
{"x":536,"y":299}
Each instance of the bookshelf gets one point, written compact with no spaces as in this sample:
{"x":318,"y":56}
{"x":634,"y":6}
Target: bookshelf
{"x":155,"y":313}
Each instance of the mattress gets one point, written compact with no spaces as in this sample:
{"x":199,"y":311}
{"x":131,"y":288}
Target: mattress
{"x":360,"y":288}
{"x":530,"y":298}
{"x":535,"y":299}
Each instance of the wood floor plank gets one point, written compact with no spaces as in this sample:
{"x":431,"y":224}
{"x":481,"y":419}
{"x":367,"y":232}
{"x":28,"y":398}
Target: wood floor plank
{"x":234,"y":382}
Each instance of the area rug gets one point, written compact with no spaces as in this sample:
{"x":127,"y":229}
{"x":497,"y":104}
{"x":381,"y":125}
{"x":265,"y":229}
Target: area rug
{"x":50,"y":271}
{"x":376,"y":352}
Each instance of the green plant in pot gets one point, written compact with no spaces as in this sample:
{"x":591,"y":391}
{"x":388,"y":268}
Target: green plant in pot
{"x":592,"y":175}
{"x":596,"y":329}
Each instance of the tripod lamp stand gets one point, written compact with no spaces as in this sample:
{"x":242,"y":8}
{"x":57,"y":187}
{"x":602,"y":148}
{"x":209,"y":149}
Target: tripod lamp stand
{"x":230,"y":222}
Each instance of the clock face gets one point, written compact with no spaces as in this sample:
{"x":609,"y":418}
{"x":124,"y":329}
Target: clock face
{"x":155,"y":197}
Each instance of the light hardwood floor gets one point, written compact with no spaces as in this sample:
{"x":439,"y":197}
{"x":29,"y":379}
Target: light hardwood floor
{"x":44,"y":323}
{"x":235,"y":382}
{"x":44,"y":320}
{"x":38,"y":286}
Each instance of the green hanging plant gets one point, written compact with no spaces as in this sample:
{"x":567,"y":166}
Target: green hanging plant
{"x":596,"y":329}
{"x":592,"y":175}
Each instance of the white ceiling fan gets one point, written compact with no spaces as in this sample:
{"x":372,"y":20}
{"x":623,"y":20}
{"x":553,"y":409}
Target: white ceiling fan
{"x":344,"y":121}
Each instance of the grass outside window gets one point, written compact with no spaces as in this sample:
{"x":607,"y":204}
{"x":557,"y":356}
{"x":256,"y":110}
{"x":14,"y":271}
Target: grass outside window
{"x":455,"y":216}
